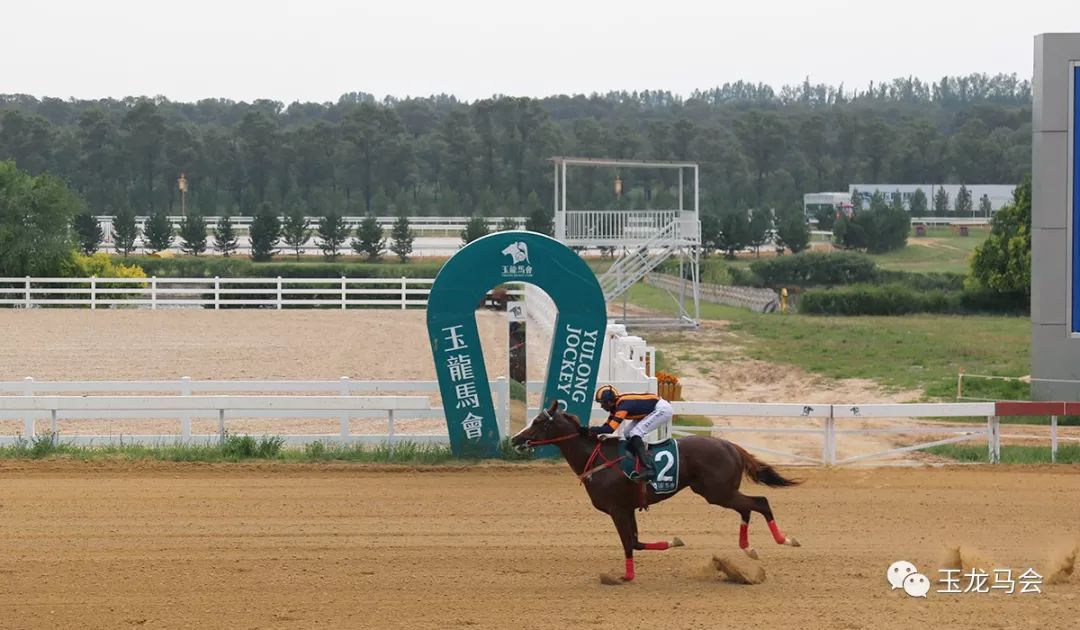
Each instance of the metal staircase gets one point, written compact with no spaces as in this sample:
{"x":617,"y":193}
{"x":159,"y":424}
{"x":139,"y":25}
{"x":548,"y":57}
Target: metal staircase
{"x":633,"y":266}
{"x":647,"y":237}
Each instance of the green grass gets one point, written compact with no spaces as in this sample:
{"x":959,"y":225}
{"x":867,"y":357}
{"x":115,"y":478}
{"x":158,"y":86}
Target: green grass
{"x":946,"y":252}
{"x":237,"y":448}
{"x":909,"y":352}
{"x":1010,"y":454}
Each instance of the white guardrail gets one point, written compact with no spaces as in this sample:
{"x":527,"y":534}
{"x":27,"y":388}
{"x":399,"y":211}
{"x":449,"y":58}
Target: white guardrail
{"x":417,"y":223}
{"x":186,"y":399}
{"x":387,"y":401}
{"x":278,"y":292}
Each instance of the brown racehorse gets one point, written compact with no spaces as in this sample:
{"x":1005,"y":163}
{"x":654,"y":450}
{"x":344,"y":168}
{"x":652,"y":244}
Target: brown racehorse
{"x":711,"y":467}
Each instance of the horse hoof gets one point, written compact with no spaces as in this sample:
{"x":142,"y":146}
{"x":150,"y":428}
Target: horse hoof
{"x":677,"y":542}
{"x":791,"y":541}
{"x":750,"y":551}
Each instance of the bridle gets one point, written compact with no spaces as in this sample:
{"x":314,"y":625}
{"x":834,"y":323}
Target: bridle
{"x":596,"y":453}
{"x":561,"y":438}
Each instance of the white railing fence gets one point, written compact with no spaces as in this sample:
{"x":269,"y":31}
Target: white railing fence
{"x":417,"y":223}
{"x":157,"y":400}
{"x":823,"y":420}
{"x":346,"y":399}
{"x":217,"y":293}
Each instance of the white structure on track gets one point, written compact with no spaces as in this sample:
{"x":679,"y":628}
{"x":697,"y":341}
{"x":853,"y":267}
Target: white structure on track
{"x":643,"y":239}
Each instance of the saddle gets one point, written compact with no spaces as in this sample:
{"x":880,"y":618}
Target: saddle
{"x":665,"y":457}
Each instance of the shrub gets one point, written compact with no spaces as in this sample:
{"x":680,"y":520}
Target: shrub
{"x":35,"y":223}
{"x":369,"y":239}
{"x":88,"y":232}
{"x":225,"y":238}
{"x":193,"y":233}
{"x":184,"y":267}
{"x":815,"y":269}
{"x":332,"y":232}
{"x":265,"y":233}
{"x":946,"y":281}
{"x":101,"y":265}
{"x":402,"y":238}
{"x":1003,"y":262}
{"x":897,"y":299}
{"x":475,"y":228}
{"x":159,"y":232}
{"x":878,"y":230}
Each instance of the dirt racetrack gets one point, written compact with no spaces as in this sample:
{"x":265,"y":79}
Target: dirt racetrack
{"x":114,"y":545}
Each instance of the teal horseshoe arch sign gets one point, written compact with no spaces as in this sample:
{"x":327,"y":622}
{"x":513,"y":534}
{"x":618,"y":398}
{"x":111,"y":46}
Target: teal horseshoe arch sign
{"x":578,"y":338}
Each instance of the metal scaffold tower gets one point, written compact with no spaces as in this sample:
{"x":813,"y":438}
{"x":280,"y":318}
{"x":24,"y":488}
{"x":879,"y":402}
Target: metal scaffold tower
{"x":641,"y":239}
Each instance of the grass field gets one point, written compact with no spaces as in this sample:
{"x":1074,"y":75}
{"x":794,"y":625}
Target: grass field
{"x":237,"y":448}
{"x":1010,"y":454}
{"x":909,"y":352}
{"x":938,"y":251}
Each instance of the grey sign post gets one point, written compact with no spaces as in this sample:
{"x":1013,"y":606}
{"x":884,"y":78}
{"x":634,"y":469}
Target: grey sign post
{"x":1055,"y":208}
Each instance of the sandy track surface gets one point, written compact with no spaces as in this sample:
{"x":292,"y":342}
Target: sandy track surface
{"x":114,"y":545}
{"x":82,"y":345}
{"x":382,"y":344}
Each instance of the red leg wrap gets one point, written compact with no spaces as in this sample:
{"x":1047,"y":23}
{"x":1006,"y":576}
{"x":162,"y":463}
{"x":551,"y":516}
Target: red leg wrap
{"x":657,"y":546}
{"x":629,"y":569}
{"x":777,"y":536}
{"x":744,"y":535}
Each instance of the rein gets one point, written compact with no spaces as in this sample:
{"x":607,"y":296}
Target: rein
{"x":597,"y":452}
{"x":562,"y":438}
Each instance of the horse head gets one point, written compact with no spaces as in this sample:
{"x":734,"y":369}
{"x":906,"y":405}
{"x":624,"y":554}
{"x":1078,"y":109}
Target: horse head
{"x":549,"y":426}
{"x":518,"y":252}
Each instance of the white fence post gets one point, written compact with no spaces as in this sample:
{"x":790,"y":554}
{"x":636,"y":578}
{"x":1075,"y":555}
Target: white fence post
{"x":993,"y":438}
{"x":344,"y":293}
{"x":502,"y":405}
{"x":828,"y":448}
{"x":28,"y":419}
{"x":153,"y":293}
{"x":185,"y":420}
{"x":217,"y":293}
{"x":93,"y":292}
{"x":343,"y":420}
{"x":221,"y":425}
{"x":1053,"y":439}
{"x":390,"y":426}
{"x":27,"y":291}
{"x":404,"y":294}
{"x":279,"y":293}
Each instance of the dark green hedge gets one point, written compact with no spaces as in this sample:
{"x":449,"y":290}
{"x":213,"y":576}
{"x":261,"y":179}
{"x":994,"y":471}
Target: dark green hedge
{"x":815,"y":269}
{"x":898,"y":299}
{"x":232,"y":267}
{"x":945,"y":281}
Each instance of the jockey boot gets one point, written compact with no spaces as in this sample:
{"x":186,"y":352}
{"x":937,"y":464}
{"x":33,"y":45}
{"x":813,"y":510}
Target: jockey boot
{"x":637,"y":446}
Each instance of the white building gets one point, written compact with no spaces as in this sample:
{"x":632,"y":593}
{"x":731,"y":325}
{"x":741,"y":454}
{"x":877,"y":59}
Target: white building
{"x":834,"y":201}
{"x":999,"y":194}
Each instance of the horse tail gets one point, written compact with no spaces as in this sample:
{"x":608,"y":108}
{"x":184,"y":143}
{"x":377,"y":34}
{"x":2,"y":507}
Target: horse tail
{"x":760,"y":472}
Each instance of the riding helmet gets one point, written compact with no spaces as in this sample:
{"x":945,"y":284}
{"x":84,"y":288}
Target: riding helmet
{"x":606,"y":394}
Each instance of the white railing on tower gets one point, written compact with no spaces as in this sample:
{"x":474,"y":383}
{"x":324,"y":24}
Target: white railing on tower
{"x":616,"y":227}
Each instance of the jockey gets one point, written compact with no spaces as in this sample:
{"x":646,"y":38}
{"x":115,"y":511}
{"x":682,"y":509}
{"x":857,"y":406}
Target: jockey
{"x":645,"y":412}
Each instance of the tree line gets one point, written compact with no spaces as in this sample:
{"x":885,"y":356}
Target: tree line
{"x":270,"y":234}
{"x":758,"y":147}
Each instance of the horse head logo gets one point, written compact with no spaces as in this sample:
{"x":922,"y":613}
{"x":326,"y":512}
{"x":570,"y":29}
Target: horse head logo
{"x":519,"y":252}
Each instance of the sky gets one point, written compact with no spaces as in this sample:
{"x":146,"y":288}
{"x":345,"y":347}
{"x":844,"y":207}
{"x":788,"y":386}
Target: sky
{"x":316,"y":50}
